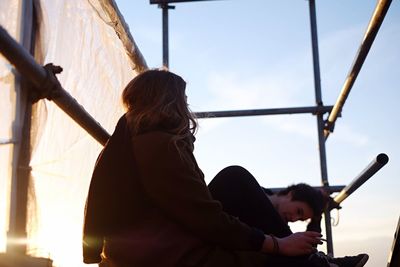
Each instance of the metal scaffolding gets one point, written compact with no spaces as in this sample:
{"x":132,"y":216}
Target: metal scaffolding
{"x":42,"y":79}
{"x":324,"y":127}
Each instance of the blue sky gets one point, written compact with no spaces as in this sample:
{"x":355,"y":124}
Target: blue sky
{"x":257,"y":54}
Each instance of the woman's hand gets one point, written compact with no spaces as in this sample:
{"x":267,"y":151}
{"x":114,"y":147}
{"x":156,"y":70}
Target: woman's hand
{"x":297,"y":244}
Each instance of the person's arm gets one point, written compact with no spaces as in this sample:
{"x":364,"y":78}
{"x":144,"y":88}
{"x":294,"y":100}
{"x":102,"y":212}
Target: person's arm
{"x":177,"y":187}
{"x":296,"y":244}
{"x":103,"y":192}
{"x":94,"y":216}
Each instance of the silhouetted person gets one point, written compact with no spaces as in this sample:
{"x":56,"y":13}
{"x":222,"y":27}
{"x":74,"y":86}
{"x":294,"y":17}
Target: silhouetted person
{"x":148,"y":204}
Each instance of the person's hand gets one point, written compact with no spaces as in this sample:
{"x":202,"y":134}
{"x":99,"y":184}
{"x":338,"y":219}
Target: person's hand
{"x":297,"y":244}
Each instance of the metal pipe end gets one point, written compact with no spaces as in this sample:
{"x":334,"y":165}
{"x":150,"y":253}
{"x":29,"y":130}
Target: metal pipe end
{"x":382,"y":158}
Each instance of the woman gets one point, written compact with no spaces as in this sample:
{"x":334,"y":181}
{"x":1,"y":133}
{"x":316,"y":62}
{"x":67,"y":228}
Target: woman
{"x":148,"y":204}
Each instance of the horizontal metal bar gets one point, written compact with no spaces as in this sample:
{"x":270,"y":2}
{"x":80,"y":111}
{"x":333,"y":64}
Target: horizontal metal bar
{"x":259,"y":112}
{"x":367,"y":173}
{"x":35,"y":73}
{"x":160,"y":2}
{"x":372,"y":30}
{"x":6,"y":141}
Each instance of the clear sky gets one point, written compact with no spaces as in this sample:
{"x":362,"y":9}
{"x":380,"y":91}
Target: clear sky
{"x":242,"y":54}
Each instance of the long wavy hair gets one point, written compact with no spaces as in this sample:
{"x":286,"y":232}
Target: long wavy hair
{"x":156,"y":100}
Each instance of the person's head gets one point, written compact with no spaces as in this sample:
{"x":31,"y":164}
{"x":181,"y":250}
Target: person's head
{"x":300,"y":202}
{"x":156,"y":99}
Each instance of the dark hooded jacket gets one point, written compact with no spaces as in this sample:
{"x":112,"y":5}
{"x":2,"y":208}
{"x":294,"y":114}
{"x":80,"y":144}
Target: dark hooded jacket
{"x":148,"y":205}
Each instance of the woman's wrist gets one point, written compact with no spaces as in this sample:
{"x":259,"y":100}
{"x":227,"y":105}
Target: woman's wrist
{"x":275,"y":249}
{"x":271,"y":245}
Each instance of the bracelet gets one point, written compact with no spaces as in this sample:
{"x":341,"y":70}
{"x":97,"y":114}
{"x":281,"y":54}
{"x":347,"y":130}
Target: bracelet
{"x":275,"y":250}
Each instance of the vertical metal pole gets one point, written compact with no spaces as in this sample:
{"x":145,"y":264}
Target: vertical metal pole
{"x":21,"y":152}
{"x":320,"y":121}
{"x":165,"y":34}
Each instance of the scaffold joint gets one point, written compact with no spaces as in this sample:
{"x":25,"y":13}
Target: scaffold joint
{"x":50,"y":87}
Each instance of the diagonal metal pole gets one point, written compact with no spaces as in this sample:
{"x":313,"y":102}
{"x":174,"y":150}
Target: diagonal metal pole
{"x":320,"y":121}
{"x":372,"y":30}
{"x":35,"y":73}
{"x":376,"y":164}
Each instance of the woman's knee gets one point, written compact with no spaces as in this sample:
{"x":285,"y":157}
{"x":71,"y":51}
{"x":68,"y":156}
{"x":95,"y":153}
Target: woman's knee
{"x":232,"y":175}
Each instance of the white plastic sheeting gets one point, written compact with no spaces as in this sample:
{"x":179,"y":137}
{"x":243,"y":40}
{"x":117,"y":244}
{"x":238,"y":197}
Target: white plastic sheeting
{"x":79,"y":36}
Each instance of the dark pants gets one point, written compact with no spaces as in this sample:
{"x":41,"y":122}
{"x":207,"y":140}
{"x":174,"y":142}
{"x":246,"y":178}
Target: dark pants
{"x":241,"y":196}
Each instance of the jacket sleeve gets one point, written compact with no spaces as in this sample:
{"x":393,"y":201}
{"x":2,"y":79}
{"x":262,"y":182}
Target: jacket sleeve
{"x":94,"y":217}
{"x":102,"y":200}
{"x":177,"y":187}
